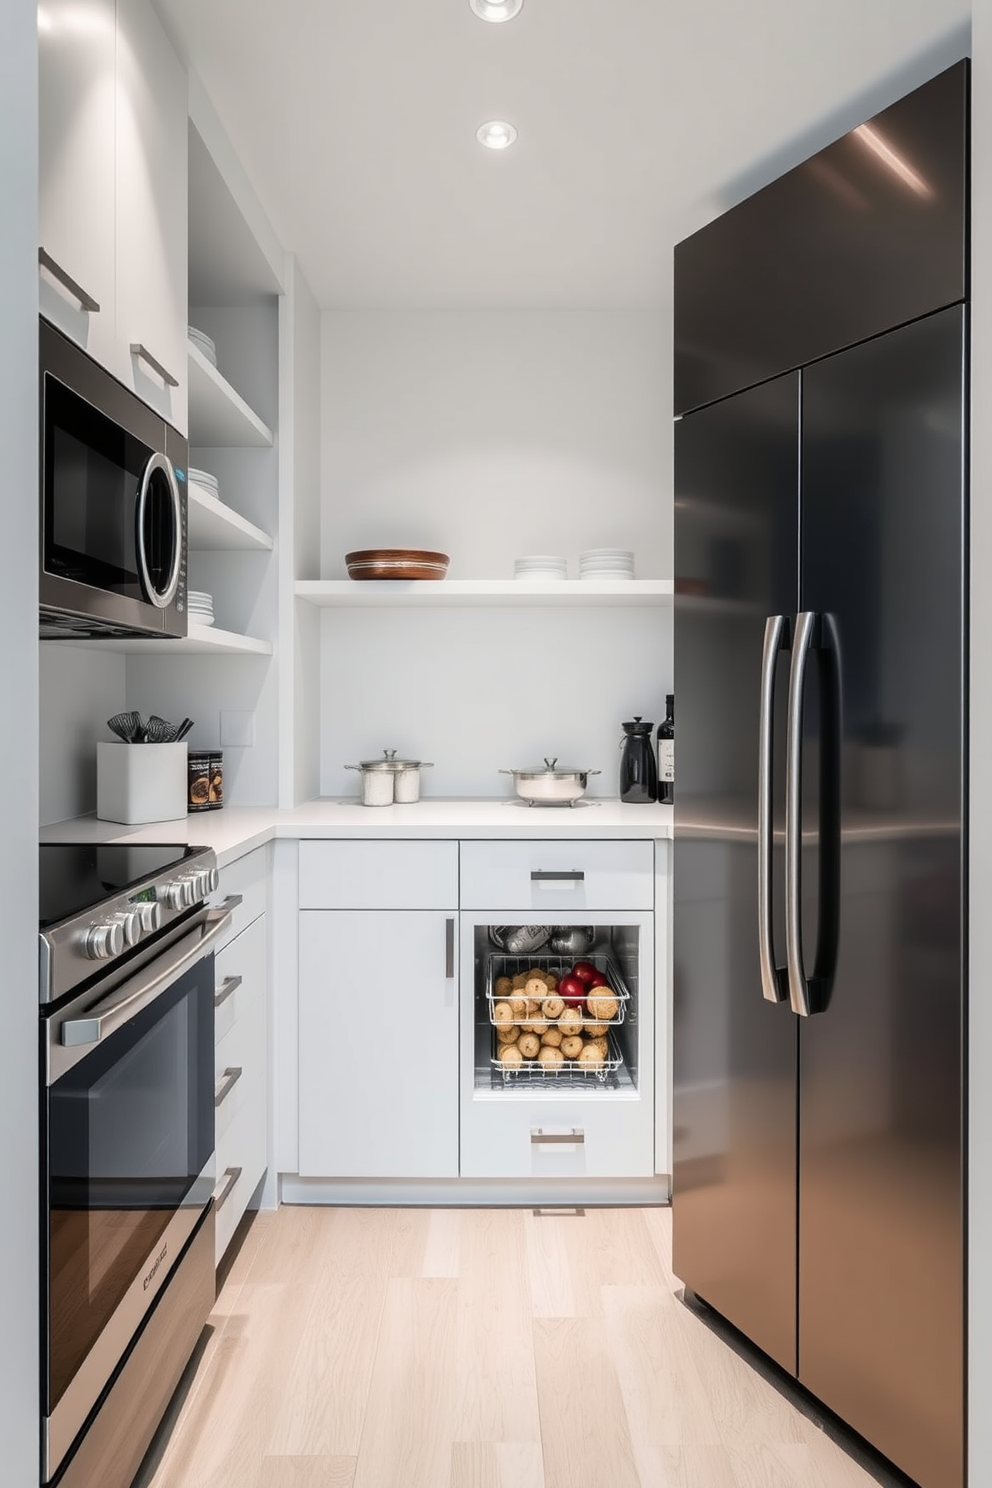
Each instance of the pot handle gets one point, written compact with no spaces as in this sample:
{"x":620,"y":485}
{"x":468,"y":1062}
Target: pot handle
{"x":501,"y":771}
{"x":353,"y":767}
{"x":426,"y":765}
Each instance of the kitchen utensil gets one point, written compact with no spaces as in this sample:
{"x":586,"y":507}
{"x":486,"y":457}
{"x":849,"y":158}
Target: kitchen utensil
{"x":638,"y":764}
{"x":572,"y":940}
{"x":550,"y":786}
{"x":519,"y":940}
{"x":183,"y":729}
{"x":396,"y":563}
{"x":125,"y":726}
{"x":388,"y":779}
{"x":159,"y":731}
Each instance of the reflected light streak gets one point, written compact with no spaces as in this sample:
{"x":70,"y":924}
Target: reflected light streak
{"x":896,"y":163}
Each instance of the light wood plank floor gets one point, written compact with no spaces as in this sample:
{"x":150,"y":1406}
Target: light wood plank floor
{"x":475,"y":1348}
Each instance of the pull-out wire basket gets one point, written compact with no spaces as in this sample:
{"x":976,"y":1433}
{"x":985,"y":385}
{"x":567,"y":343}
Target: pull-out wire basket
{"x":570,"y":1072}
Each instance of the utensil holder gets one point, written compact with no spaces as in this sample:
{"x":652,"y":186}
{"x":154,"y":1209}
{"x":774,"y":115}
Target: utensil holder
{"x":140,"y":782}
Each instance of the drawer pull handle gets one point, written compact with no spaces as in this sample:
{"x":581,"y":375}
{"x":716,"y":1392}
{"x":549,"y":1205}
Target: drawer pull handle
{"x":232,"y":1075}
{"x":539,"y":1136}
{"x":570,"y":875}
{"x":449,"y":949}
{"x":228,"y":986}
{"x":226,"y":1186}
{"x":142,"y":354}
{"x":86,"y":301}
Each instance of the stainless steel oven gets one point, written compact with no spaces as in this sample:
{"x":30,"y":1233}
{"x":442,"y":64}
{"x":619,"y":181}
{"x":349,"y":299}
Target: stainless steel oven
{"x":113,"y":504}
{"x":127,"y":1146}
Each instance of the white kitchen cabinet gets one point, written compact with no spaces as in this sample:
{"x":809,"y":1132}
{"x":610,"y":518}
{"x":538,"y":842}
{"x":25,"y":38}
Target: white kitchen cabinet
{"x":151,"y":135}
{"x":378,"y":1043}
{"x":77,"y":85}
{"x":112,"y":192}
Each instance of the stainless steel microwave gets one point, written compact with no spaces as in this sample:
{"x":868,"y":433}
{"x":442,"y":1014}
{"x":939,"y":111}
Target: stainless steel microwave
{"x":113,"y":504}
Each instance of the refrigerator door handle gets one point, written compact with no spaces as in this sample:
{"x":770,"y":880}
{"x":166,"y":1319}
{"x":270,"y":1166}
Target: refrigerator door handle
{"x":808,"y":995}
{"x":774,"y":979}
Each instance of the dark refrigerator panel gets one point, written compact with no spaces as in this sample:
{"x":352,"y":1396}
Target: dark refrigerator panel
{"x":736,"y":547}
{"x":868,"y":234}
{"x":880,"y":1115}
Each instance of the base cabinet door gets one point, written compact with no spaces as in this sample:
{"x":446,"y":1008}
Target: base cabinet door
{"x":378,"y":1055}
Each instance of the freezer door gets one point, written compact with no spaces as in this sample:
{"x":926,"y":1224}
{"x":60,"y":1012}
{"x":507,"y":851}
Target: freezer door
{"x":736,"y":552}
{"x":881,"y":1301}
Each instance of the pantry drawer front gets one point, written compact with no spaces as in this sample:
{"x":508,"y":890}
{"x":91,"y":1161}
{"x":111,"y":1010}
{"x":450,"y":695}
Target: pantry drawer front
{"x":240,"y":1075}
{"x":557,"y":875}
{"x":241,"y":1163}
{"x":247,"y":876}
{"x":239,"y":976}
{"x":378,"y":875}
{"x":504,"y":1136}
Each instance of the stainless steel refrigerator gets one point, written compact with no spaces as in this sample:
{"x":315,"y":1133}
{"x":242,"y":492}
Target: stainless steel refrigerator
{"x":820,"y":676}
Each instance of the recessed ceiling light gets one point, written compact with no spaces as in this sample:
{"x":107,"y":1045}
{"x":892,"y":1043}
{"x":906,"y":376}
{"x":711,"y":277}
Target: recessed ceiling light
{"x":496,"y":135}
{"x":496,"y":10}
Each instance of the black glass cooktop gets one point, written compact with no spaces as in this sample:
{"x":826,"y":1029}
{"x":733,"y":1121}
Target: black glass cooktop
{"x":77,"y":876}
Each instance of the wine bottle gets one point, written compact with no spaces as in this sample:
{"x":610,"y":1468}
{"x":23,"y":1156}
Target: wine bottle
{"x":666,"y":753}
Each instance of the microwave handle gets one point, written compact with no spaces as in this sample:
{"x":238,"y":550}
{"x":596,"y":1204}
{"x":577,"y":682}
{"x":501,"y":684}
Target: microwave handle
{"x":107,"y":1017}
{"x":160,"y":598}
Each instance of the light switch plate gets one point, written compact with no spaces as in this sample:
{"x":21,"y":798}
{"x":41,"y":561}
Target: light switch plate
{"x":237,"y":729}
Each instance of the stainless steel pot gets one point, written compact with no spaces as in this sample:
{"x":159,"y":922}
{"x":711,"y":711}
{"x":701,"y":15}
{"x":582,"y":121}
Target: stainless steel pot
{"x":550,"y":786}
{"x":388,"y":780}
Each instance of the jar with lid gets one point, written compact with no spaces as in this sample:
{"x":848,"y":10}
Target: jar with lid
{"x":638,"y":766}
{"x":388,"y":779}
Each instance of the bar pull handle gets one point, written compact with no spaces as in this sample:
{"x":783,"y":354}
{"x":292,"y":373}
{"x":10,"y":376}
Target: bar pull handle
{"x":774,"y":979}
{"x":571,"y":875}
{"x":228,"y":986}
{"x":539,"y":1137}
{"x":808,"y":995}
{"x":232,"y":1075}
{"x":449,"y":949}
{"x":226,"y":1186}
{"x":142,"y":354}
{"x":86,"y":301}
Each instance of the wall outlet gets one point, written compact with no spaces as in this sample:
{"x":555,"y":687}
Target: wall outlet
{"x":237,"y":730}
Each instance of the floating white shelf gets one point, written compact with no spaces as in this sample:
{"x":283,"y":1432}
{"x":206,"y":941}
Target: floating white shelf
{"x":202,"y":640}
{"x":214,"y":527}
{"x":217,"y":414}
{"x":455,"y":593}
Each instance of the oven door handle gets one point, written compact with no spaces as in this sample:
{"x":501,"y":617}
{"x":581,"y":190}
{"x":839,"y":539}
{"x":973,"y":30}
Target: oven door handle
{"x":138,"y":993}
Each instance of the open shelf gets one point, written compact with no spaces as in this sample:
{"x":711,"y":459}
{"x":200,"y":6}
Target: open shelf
{"x":392,"y":593}
{"x":215,"y":527}
{"x":217,"y":414}
{"x":202,"y":640}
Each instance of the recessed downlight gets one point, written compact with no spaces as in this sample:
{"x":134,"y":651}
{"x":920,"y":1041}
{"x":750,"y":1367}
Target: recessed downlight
{"x":497,"y":134}
{"x":496,"y":10}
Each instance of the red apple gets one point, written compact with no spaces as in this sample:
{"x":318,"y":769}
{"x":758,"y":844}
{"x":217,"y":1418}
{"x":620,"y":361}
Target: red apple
{"x":572,"y":991}
{"x":585,"y":971}
{"x":598,"y":980}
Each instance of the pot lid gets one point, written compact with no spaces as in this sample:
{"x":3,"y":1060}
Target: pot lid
{"x":550,"y":770}
{"x":390,"y":762}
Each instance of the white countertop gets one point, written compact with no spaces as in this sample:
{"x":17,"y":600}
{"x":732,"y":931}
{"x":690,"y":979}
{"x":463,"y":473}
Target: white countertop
{"x":236,"y":830}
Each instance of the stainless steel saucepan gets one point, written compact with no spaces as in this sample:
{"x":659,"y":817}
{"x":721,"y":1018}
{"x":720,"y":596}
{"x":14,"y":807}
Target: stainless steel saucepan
{"x":550,"y":785}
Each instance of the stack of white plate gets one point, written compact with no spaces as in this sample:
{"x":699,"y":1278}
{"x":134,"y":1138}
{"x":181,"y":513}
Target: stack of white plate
{"x":203,"y":343}
{"x":540,"y":566}
{"x":200,"y":606}
{"x":206,"y":481}
{"x":606,"y":563}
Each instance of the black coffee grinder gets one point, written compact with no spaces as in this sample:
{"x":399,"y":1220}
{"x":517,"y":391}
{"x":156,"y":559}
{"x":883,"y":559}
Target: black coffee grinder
{"x":638,"y":766}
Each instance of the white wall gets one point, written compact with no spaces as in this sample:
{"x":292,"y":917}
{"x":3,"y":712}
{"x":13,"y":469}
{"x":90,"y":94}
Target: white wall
{"x":489,"y":434}
{"x":980,"y":927}
{"x":18,"y":746}
{"x":80,"y":689}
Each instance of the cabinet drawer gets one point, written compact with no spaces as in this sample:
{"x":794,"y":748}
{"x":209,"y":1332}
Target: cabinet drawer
{"x":378,"y":875}
{"x":505,"y":1136}
{"x":243,"y":957}
{"x":247,"y":876}
{"x":553,"y":875}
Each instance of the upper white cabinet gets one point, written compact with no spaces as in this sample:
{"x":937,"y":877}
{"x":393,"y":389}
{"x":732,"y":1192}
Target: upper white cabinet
{"x":112,"y":192}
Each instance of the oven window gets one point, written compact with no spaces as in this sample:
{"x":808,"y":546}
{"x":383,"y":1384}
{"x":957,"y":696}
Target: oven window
{"x":130,"y":1129}
{"x":93,"y":470}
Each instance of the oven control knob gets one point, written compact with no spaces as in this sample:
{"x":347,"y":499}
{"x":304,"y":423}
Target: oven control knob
{"x":179,"y":894}
{"x":204,"y":883}
{"x":105,"y":940}
{"x":213,"y":876}
{"x":150,"y":915}
{"x":130,"y":922}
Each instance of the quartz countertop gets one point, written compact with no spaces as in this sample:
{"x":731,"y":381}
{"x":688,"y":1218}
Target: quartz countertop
{"x":236,"y":830}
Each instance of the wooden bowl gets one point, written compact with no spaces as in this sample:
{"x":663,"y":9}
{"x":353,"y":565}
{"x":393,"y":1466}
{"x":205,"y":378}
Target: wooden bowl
{"x":396,"y":563}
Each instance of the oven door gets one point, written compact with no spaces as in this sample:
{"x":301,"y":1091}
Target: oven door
{"x":128,"y":1162}
{"x":113,"y":520}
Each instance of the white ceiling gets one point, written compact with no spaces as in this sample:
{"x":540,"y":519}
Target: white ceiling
{"x":356,"y":119}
